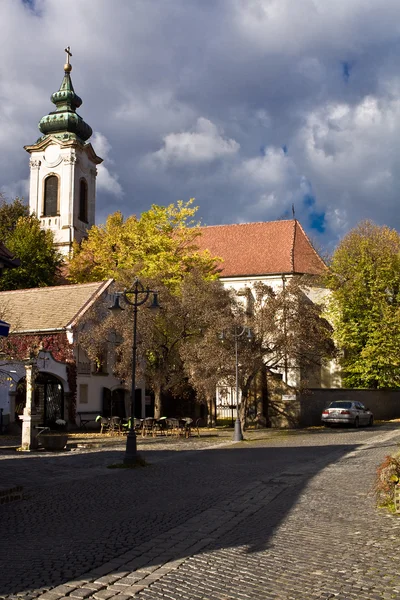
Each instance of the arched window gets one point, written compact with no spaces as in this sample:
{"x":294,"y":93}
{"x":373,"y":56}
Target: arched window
{"x":50,"y":201}
{"x":83,"y":207}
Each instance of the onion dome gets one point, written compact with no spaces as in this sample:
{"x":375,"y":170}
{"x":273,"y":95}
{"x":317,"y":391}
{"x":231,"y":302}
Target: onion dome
{"x":65,"y":123}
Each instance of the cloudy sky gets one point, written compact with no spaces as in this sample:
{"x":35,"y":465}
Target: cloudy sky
{"x":250,"y":106}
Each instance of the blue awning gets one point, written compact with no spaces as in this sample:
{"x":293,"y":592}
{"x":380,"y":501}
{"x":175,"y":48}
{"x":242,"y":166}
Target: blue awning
{"x":4,"y":328}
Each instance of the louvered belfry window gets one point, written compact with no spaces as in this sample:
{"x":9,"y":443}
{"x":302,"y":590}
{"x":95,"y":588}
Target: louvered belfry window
{"x":83,"y":207}
{"x":50,"y":204}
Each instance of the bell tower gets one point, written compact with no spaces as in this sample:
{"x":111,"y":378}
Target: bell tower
{"x":63,"y":170}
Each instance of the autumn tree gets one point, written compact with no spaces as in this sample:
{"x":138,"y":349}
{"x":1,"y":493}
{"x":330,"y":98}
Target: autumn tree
{"x":34,"y":247}
{"x":162,"y":242}
{"x":287,"y":330}
{"x":159,"y":248}
{"x":365,"y":305}
{"x":195,"y":311}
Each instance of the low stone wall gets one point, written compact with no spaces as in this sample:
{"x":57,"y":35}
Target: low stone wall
{"x":305,"y":410}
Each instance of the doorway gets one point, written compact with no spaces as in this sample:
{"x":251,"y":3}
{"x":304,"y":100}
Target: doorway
{"x":48,"y":398}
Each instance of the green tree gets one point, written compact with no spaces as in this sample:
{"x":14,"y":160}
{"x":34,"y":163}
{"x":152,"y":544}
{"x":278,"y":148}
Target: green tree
{"x":10,"y":212}
{"x":161,"y":241}
{"x":40,"y":261}
{"x":365,"y":305}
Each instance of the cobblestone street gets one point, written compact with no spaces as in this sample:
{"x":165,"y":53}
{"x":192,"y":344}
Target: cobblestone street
{"x":283,"y":515}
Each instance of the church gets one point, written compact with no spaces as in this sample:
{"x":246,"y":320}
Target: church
{"x":62,"y":193}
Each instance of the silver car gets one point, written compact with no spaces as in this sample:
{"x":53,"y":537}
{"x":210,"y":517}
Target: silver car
{"x":346,"y":412}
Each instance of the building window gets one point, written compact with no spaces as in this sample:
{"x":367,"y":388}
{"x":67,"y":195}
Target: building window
{"x":83,"y":393}
{"x":50,"y":201}
{"x":83,"y":205}
{"x":101,"y":364}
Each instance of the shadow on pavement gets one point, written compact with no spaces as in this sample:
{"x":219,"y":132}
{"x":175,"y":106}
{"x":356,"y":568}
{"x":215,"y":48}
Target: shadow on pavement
{"x":79,"y":515}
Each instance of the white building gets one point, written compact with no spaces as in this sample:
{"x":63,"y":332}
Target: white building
{"x":272,"y":253}
{"x":68,"y":385}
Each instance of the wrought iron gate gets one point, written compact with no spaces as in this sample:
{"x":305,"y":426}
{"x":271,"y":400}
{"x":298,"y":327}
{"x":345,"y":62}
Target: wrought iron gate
{"x":48,"y":398}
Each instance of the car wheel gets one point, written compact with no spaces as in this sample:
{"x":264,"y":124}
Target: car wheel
{"x":371,"y":421}
{"x":356,"y":423}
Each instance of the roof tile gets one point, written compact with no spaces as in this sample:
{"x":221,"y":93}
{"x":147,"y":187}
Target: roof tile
{"x":265,"y":248}
{"x":47,"y":308}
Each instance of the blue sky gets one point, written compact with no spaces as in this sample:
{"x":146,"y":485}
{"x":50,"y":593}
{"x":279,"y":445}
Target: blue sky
{"x":248,"y":106}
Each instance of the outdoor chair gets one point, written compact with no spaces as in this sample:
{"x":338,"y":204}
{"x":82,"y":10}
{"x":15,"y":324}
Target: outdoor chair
{"x":148,"y":426}
{"x":115,"y":424}
{"x":199,"y":423}
{"x":172,"y":427}
{"x":137,"y":424}
{"x":104,"y":423}
{"x":109,"y":424}
{"x":186,"y":426}
{"x":160,"y":426}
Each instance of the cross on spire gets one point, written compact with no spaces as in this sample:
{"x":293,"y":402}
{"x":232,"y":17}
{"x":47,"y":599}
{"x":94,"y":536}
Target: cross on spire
{"x":69,"y":53}
{"x":68,"y":66}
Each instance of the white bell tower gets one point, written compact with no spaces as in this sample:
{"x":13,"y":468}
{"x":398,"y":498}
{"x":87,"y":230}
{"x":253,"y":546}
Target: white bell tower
{"x":63,"y":169}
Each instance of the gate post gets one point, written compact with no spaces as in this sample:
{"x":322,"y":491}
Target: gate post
{"x":29,"y":417}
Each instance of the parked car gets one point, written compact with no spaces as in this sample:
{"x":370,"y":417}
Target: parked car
{"x":346,"y":412}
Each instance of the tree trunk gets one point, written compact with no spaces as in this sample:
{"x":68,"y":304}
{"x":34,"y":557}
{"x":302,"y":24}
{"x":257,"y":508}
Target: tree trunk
{"x":243,"y":410}
{"x":211,"y":406}
{"x":265,"y":397}
{"x":157,"y":402}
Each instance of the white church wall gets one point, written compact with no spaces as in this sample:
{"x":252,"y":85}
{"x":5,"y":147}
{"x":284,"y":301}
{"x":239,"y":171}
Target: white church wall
{"x":327,"y":375}
{"x":70,"y":164}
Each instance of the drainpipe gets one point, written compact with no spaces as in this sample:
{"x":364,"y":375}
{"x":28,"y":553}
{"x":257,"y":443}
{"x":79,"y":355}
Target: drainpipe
{"x":285,"y":330}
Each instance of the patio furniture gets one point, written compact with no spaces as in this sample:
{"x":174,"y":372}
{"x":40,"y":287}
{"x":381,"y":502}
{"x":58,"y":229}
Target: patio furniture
{"x":104,"y":423}
{"x":110,"y":424}
{"x":199,"y":423}
{"x":115,"y":424}
{"x":148,"y":426}
{"x":186,"y":426}
{"x":85,"y":417}
{"x":172,"y":427}
{"x":126,"y":424}
{"x":160,"y":426}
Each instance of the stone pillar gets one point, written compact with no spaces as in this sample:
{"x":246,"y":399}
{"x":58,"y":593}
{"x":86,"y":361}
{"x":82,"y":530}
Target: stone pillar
{"x":29,"y":417}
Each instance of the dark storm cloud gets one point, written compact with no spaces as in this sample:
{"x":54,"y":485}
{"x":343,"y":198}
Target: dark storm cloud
{"x":248,"y":105}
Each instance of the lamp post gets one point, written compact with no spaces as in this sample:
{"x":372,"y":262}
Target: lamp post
{"x":236,"y":334}
{"x":140,"y":295}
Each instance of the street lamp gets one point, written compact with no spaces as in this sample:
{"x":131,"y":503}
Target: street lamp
{"x":140,"y":295}
{"x":236,"y":334}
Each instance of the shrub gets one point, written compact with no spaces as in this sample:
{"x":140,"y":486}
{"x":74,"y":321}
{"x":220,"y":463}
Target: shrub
{"x":388,"y":476}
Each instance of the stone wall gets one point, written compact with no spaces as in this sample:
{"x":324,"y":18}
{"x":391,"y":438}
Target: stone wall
{"x":305,"y":409}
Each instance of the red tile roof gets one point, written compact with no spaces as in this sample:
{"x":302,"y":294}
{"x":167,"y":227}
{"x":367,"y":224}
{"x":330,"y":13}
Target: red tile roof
{"x":256,"y":249}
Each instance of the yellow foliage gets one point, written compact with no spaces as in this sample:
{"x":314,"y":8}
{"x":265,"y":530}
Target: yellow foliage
{"x":161,"y":242}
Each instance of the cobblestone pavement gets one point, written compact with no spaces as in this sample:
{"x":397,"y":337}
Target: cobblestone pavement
{"x":285,"y":517}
